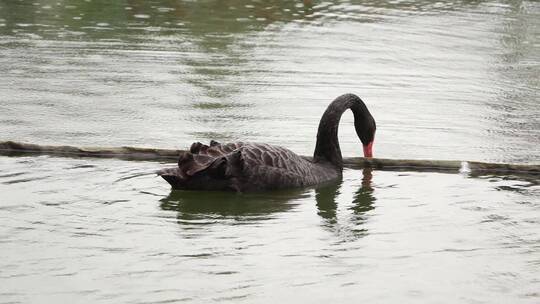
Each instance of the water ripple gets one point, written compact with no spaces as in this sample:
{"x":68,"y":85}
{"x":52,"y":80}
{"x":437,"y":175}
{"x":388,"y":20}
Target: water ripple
{"x":445,"y":80}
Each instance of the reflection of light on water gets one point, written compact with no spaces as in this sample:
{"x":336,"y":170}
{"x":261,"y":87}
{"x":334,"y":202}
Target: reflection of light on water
{"x":465,"y":169}
{"x":141,"y":16}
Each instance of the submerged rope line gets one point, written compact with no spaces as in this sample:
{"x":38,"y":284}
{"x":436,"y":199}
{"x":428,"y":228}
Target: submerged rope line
{"x":11,"y":148}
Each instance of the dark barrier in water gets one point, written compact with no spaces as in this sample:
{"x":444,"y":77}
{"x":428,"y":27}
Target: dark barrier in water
{"x":11,"y":148}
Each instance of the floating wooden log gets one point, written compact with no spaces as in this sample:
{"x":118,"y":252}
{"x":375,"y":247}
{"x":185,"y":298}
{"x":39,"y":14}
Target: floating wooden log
{"x":11,"y":148}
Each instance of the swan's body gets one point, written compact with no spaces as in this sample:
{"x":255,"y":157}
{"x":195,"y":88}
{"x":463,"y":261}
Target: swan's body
{"x":245,"y":167}
{"x":257,"y":166}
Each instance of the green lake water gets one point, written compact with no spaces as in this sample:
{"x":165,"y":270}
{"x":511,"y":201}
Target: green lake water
{"x":455,"y":80}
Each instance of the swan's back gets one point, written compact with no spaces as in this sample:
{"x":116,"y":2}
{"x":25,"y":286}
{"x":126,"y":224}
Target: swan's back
{"x":245,"y":167}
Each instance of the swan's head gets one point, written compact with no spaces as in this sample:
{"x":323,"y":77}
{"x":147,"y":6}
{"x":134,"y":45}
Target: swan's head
{"x":368,"y":149}
{"x":365,"y":128}
{"x":367,"y":142}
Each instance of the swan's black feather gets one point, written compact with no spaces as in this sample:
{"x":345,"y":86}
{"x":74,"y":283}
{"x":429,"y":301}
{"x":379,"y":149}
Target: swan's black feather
{"x":244,"y":166}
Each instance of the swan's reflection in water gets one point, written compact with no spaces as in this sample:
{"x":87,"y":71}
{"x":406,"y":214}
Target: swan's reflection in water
{"x":197,"y":205}
{"x":347,"y":226}
{"x":200,"y":208}
{"x":363,"y":198}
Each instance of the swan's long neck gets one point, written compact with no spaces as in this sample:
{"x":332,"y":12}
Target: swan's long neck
{"x":327,"y":147}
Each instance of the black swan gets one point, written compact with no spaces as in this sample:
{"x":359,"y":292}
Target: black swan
{"x":244,"y":167}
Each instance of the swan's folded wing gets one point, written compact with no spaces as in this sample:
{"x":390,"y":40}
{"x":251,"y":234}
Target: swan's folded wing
{"x":201,"y":156}
{"x":265,"y":155}
{"x":266,"y":167}
{"x":215,"y":149}
{"x":206,"y":167}
{"x":240,"y":166}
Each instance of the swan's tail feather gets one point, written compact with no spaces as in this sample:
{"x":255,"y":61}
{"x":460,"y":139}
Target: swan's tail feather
{"x":215,"y":166}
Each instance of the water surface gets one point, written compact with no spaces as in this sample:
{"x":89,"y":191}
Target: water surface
{"x":444,"y":80}
{"x":113,"y":232}
{"x":453,"y":80}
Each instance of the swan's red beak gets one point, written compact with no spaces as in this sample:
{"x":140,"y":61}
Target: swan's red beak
{"x":368,"y":150}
